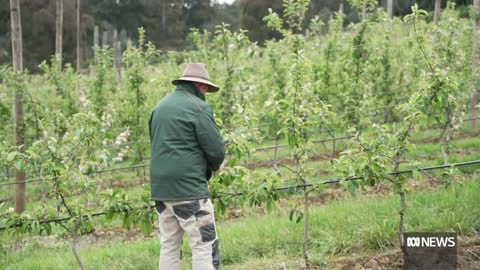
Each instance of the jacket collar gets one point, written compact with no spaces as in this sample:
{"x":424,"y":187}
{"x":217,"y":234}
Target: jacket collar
{"x":190,"y":88}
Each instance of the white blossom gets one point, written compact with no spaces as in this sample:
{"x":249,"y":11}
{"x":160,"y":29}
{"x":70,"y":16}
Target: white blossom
{"x":122,"y":137}
{"x":84,"y":101}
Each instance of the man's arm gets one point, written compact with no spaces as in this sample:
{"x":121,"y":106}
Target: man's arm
{"x":210,"y":139}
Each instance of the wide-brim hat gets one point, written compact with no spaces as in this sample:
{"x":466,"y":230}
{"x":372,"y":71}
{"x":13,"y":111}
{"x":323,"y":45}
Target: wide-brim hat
{"x":197,"y":72}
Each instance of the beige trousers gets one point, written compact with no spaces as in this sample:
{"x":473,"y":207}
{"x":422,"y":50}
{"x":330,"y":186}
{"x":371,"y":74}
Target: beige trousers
{"x":196,"y":218}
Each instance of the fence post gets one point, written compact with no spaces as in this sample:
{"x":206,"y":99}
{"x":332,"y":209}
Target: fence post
{"x":436,"y":17}
{"x":16,"y":25}
{"x":95,"y":42}
{"x":475,"y":79}
{"x":59,"y":33}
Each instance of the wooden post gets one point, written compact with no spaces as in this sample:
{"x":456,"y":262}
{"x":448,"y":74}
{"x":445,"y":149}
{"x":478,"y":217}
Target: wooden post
{"x":364,"y":10}
{"x":105,"y":39}
{"x":476,"y":77}
{"x":59,"y":33}
{"x":79,"y":91}
{"x":436,"y":17}
{"x":164,"y":16}
{"x":16,"y":25}
{"x":390,"y":9}
{"x":118,"y":55}
{"x":78,"y":37}
{"x":95,"y":42}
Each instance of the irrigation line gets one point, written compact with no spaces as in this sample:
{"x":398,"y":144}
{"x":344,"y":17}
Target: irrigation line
{"x":425,"y":169}
{"x":312,"y":184}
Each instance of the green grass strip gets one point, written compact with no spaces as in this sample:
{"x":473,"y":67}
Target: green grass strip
{"x":362,"y":224}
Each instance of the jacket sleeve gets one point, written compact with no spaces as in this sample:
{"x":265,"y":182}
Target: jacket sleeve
{"x":210,"y":139}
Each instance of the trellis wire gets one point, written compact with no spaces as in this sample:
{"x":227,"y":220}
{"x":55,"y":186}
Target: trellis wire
{"x":311,"y":184}
{"x":254,"y":150}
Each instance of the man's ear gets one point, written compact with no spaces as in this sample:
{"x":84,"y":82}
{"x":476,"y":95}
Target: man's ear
{"x":203,"y":87}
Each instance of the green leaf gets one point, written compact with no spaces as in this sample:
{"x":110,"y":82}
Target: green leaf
{"x":11,"y":156}
{"x":228,"y":180}
{"x":352,"y":186}
{"x":292,"y":141}
{"x":48,"y":228}
{"x":299,"y":217}
{"x":19,"y":165}
{"x":232,"y":162}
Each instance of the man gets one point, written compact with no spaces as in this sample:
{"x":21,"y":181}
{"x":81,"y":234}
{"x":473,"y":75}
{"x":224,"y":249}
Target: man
{"x":186,"y":148}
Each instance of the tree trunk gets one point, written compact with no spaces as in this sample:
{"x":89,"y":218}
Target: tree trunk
{"x":74,"y":248}
{"x":476,"y":77}
{"x":306,"y":228}
{"x":445,"y":142}
{"x":59,"y":33}
{"x":275,"y":152}
{"x":16,"y":25}
{"x":436,"y":17}
{"x":401,"y":224}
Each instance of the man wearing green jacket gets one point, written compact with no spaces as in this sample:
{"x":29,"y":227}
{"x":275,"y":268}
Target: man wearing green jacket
{"x":186,"y":148}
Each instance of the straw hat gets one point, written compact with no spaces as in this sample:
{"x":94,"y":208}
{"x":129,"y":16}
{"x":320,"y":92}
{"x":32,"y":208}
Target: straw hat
{"x":197,"y":72}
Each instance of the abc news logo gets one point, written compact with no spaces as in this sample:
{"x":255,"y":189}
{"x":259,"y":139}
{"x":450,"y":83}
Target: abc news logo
{"x":430,"y":251}
{"x":431,"y":242}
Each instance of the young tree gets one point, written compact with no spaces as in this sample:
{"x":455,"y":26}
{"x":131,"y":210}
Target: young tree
{"x":299,"y":102}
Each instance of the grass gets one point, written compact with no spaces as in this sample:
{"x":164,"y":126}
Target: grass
{"x":358,"y":225}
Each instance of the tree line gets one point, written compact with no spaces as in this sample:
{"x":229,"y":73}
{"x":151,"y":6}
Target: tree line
{"x":167,"y":22}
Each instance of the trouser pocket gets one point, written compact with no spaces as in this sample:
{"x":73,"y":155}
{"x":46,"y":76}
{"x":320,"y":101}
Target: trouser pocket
{"x":159,"y":207}
{"x":186,"y":210}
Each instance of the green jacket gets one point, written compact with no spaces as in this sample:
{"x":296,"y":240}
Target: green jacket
{"x":186,"y":146}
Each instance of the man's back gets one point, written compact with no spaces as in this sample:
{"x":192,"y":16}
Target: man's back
{"x":185,"y":145}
